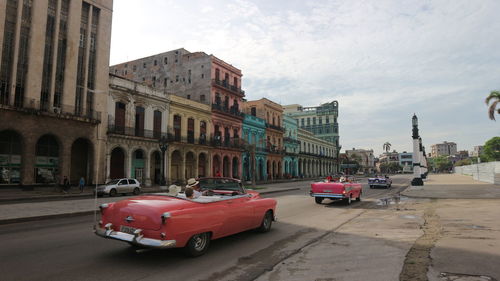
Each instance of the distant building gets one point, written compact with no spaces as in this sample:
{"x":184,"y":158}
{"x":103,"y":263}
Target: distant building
{"x":406,"y":161}
{"x":317,"y":157}
{"x":478,"y":150}
{"x":319,"y":120}
{"x":443,"y":149}
{"x":366,"y":158}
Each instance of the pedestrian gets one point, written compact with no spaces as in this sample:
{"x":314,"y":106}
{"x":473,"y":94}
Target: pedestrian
{"x":81,"y":184}
{"x":66,"y":184}
{"x":218,"y":174}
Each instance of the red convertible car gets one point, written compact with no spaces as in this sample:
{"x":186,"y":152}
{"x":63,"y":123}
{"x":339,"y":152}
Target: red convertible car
{"x":342,"y":190}
{"x":163,"y":220}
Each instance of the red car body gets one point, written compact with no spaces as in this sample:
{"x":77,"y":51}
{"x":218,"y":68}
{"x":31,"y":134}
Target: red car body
{"x":346,"y":191}
{"x":166,"y":221}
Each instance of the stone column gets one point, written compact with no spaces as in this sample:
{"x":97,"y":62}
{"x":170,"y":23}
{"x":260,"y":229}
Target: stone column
{"x":147,"y":172}
{"x":196,"y":163}
{"x":108,"y":166}
{"x":183,"y":167}
{"x":128,"y":164}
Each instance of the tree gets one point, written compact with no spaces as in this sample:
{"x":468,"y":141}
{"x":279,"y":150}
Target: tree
{"x":387,"y":146}
{"x":494,"y":97}
{"x":440,"y":164}
{"x":390,"y":168}
{"x":463,"y":162}
{"x":491,"y":150}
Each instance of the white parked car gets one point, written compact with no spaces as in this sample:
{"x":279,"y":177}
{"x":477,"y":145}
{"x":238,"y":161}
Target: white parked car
{"x":122,"y":186}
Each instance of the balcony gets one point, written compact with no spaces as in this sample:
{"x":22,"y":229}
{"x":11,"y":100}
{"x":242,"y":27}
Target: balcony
{"x":227,"y":142}
{"x":134,"y":132}
{"x":278,"y":128}
{"x":233,"y":111}
{"x":225,"y":85}
{"x":290,"y":140}
{"x":45,"y":108}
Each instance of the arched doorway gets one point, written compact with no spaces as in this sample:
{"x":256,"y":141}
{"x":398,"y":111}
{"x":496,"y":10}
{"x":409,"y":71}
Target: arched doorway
{"x":155,"y":167}
{"x":46,"y":159}
{"x":81,"y":156}
{"x":216,"y":171}
{"x":10,"y":157}
{"x":225,"y":167}
{"x":236,"y":168}
{"x":117,"y":164}
{"x":246,"y":169}
{"x":138,"y":165}
{"x":202,"y":165}
{"x":260,"y":169}
{"x":176,"y":173}
{"x":268,"y":169}
{"x":190,"y":165}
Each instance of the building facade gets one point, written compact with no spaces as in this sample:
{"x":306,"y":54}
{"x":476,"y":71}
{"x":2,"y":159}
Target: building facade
{"x":272,"y":113}
{"x":292,"y":148}
{"x":406,"y":161}
{"x":478,"y":150}
{"x":189,"y":150}
{"x":445,"y":149}
{"x":53,"y":84}
{"x":319,"y":120}
{"x":317,"y":157}
{"x":137,"y":118}
{"x":255,"y":155}
{"x":365,"y":157}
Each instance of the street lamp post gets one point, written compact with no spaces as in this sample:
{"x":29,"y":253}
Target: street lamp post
{"x":163,"y":144}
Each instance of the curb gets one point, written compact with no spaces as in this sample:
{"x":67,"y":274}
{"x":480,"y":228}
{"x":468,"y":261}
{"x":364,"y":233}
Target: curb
{"x":83,"y":213}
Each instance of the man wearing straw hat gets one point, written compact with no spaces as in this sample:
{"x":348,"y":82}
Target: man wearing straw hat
{"x":195,"y":185}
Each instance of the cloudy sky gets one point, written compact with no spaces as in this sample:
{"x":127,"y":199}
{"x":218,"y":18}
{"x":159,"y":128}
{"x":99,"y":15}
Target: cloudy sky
{"x":381,"y":60}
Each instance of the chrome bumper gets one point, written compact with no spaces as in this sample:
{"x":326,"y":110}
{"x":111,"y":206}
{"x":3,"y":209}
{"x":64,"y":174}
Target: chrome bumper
{"x":329,"y":195}
{"x":136,"y":239}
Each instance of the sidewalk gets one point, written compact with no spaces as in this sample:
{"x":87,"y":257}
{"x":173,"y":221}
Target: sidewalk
{"x":42,"y":203}
{"x":453,"y":186}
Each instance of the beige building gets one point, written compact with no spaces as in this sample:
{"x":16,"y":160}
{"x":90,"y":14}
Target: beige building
{"x":137,"y":117}
{"x":365,"y":157}
{"x":317,"y":157}
{"x":445,"y":148}
{"x":54,"y":57}
{"x":189,"y":152}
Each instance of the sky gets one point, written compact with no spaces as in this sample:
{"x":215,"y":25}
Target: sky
{"x":382,"y":60}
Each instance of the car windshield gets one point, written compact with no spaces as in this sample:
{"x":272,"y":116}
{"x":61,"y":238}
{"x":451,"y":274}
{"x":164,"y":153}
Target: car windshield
{"x":112,"y":182}
{"x":221,"y":184}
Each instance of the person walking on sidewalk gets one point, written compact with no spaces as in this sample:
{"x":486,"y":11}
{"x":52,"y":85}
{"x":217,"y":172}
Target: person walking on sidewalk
{"x":81,"y":184}
{"x":65,"y":184}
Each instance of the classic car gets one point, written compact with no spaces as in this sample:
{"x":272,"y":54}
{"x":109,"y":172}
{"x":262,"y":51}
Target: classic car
{"x":119,"y":186}
{"x":344,"y":189}
{"x":383,"y":181}
{"x":163,"y":220}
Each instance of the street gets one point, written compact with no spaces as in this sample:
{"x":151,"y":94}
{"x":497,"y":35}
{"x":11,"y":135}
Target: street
{"x":67,"y":249}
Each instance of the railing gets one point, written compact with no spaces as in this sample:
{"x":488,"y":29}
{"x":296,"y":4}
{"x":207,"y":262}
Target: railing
{"x":34,"y":105}
{"x":229,"y":110}
{"x":275,"y":127}
{"x":225,"y":84}
{"x":275,"y":150}
{"x":290,"y":140}
{"x":229,"y":143}
{"x":317,"y":155}
{"x":135,"y":132}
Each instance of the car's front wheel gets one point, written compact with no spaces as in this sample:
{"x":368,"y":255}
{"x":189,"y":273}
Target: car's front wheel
{"x":267,"y":221}
{"x":348,"y":200}
{"x":318,"y":200}
{"x":198,"y":244}
{"x":112,"y":192}
{"x":136,"y":191}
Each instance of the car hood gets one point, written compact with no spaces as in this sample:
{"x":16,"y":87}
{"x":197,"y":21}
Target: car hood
{"x":145,"y":211}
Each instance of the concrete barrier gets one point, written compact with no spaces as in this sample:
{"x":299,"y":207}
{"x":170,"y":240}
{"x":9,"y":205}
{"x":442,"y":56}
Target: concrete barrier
{"x":487,"y":172}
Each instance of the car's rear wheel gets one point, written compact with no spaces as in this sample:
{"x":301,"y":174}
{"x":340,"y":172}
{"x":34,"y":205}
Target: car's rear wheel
{"x":198,"y":244}
{"x":318,"y":200}
{"x":348,"y":200}
{"x":267,"y":221}
{"x":371,"y":186}
{"x":112,"y":192}
{"x":136,"y":191}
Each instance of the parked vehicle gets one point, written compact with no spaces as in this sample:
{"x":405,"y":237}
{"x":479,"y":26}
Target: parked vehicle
{"x":383,"y":181}
{"x":345,"y":189}
{"x":119,"y":186}
{"x":163,"y":220}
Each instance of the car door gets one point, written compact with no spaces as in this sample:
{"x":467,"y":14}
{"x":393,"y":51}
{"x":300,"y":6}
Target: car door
{"x":239,"y":210}
{"x":131,"y":185}
{"x":122,"y":185}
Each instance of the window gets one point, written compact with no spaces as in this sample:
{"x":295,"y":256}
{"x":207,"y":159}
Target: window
{"x":134,"y":68}
{"x":155,"y":63}
{"x":144,"y":65}
{"x":165,"y":82}
{"x":125,"y":72}
{"x":320,"y":120}
{"x":235,"y":82}
{"x":202,"y":76}
{"x":154,"y":81}
{"x":202,"y":98}
{"x":139,"y":121}
{"x":253,"y":111}
{"x":143,"y":79}
{"x":203,"y":132}
{"x":314,"y":120}
{"x":302,"y":122}
{"x":217,"y":74}
{"x":157,"y":124}
{"x":165,"y":60}
{"x":308,"y":121}
{"x":190,"y":130}
{"x":176,"y":78}
{"x":126,"y":65}
{"x":327,"y":119}
{"x":188,"y":97}
{"x":177,"y":127}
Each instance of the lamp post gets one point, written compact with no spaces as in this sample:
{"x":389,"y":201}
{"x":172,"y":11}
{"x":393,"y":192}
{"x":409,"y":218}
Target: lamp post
{"x":417,"y":151}
{"x":163,"y":144}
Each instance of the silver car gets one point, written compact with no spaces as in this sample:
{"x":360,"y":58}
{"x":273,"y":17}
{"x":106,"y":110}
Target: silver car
{"x":122,"y":186}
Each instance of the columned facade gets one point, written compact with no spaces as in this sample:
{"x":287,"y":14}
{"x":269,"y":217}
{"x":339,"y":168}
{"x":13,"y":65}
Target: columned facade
{"x":317,"y":157}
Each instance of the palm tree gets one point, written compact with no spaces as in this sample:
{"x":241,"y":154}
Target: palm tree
{"x":495,"y":97}
{"x":386,"y":146}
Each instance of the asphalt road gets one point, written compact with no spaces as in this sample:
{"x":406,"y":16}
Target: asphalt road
{"x":67,"y":249}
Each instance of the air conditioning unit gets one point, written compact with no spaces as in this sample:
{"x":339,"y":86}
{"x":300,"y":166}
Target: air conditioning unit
{"x":57,"y":110}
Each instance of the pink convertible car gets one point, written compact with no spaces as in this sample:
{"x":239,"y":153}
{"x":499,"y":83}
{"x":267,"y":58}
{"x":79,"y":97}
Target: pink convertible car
{"x":165,"y":221}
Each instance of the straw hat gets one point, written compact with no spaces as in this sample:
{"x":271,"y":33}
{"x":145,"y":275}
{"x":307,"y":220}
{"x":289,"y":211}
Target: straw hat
{"x":192,"y":182}
{"x":173,"y":190}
